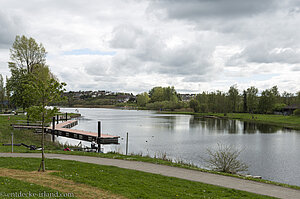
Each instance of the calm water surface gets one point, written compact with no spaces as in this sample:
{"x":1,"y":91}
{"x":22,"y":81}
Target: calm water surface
{"x":271,"y":152}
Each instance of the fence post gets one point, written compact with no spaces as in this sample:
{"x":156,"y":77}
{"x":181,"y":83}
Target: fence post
{"x":127,"y":143}
{"x":99,"y":136}
{"x":53,"y":128}
{"x":12,"y":142}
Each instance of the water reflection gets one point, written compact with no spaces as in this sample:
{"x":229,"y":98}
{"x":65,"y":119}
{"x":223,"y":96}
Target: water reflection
{"x":233,"y":126}
{"x":271,"y":152}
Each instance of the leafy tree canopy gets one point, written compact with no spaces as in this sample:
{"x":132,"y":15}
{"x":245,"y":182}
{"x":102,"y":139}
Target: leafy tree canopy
{"x":27,"y":53}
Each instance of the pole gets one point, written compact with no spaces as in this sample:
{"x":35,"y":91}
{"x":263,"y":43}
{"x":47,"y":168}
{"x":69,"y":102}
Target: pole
{"x":127,"y":143}
{"x":99,"y":136}
{"x":57,"y":119}
{"x":12,"y":142}
{"x":66,"y":116}
{"x":53,"y":128}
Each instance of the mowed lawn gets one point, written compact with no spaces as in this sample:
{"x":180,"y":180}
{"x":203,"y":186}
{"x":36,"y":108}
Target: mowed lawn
{"x":120,"y":182}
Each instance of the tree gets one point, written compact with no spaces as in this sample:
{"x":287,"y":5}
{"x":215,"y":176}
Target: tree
{"x":252,"y":100}
{"x":142,"y":99}
{"x":27,"y":53}
{"x":2,"y":92}
{"x":233,"y":95}
{"x":298,"y":97}
{"x":195,"y":105}
{"x":159,"y":94}
{"x":225,"y":159}
{"x":45,"y":90}
{"x":16,"y":86}
{"x":266,"y":101}
{"x":287,"y":98}
{"x":245,"y":107}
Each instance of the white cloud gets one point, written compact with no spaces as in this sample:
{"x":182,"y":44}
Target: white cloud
{"x":192,"y":45}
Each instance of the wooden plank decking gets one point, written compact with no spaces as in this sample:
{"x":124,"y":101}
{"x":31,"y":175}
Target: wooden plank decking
{"x":63,"y":129}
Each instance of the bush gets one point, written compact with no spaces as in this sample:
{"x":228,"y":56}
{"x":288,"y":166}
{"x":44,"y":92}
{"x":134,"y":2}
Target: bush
{"x":225,"y":159}
{"x":297,"y":112}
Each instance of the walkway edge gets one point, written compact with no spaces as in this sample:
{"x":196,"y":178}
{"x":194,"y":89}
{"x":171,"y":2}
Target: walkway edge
{"x":198,"y":176}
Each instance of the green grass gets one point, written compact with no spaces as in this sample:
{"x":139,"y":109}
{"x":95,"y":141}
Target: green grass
{"x":129,"y":183}
{"x":166,"y":162}
{"x":27,"y":137}
{"x":20,"y":136}
{"x":292,"y":122}
{"x":12,"y":188}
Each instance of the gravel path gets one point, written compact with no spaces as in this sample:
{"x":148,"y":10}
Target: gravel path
{"x":224,"y":181}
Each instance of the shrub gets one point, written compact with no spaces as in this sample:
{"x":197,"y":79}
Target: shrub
{"x":297,"y":112}
{"x":225,"y":159}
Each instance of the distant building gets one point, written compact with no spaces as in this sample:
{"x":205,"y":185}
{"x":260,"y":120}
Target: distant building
{"x":289,"y":110}
{"x":186,"y":97}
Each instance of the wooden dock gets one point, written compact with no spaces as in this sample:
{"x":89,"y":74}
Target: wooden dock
{"x":63,"y":129}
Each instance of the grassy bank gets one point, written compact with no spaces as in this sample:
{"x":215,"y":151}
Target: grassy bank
{"x":20,"y":136}
{"x":123,"y":182}
{"x":167,"y":162}
{"x":12,"y":188}
{"x":291,"y":122}
{"x":29,"y":138}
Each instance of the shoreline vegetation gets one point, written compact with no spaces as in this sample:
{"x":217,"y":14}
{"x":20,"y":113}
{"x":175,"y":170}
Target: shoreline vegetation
{"x":288,"y":122}
{"x":28,"y":137}
{"x":33,"y":88}
{"x":284,"y":121}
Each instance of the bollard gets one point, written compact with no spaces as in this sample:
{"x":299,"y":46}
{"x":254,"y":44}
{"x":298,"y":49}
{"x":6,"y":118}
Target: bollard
{"x":126,"y":144}
{"x":99,"y":136}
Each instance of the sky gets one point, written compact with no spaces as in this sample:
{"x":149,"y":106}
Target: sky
{"x":133,"y":46}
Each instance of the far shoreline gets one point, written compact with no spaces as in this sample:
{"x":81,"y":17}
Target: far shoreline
{"x":287,"y":122}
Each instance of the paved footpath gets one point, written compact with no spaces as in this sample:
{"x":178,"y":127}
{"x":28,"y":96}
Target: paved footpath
{"x":214,"y":179}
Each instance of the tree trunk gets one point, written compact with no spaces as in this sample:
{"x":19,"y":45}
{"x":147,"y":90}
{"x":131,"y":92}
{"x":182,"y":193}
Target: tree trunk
{"x":42,"y":165}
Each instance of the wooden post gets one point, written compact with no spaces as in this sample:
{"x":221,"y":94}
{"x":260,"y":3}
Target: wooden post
{"x":66,"y":116}
{"x":57,"y":119}
{"x":127,"y":143}
{"x":12,"y":142}
{"x":99,"y":136}
{"x":53,"y":128}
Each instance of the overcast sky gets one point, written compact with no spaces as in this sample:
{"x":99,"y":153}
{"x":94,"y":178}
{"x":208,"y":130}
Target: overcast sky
{"x":132,"y":46}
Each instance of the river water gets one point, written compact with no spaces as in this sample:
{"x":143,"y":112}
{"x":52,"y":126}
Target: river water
{"x":269,"y":151}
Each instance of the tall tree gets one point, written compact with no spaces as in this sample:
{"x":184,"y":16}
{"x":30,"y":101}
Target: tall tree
{"x":298,"y":97}
{"x":276,"y":94}
{"x":156,"y":94}
{"x":287,"y":98}
{"x":233,"y":95}
{"x":267,"y":101}
{"x":16,"y":85}
{"x":45,"y":90}
{"x":142,"y":99}
{"x":245,"y":105}
{"x":252,"y":99}
{"x":2,"y":92}
{"x":27,"y":53}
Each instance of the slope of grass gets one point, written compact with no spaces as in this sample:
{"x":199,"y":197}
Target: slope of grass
{"x":12,"y":188}
{"x":129,"y":183}
{"x":20,"y":136}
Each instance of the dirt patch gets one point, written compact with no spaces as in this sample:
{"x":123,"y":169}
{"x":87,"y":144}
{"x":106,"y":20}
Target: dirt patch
{"x":60,"y":184}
